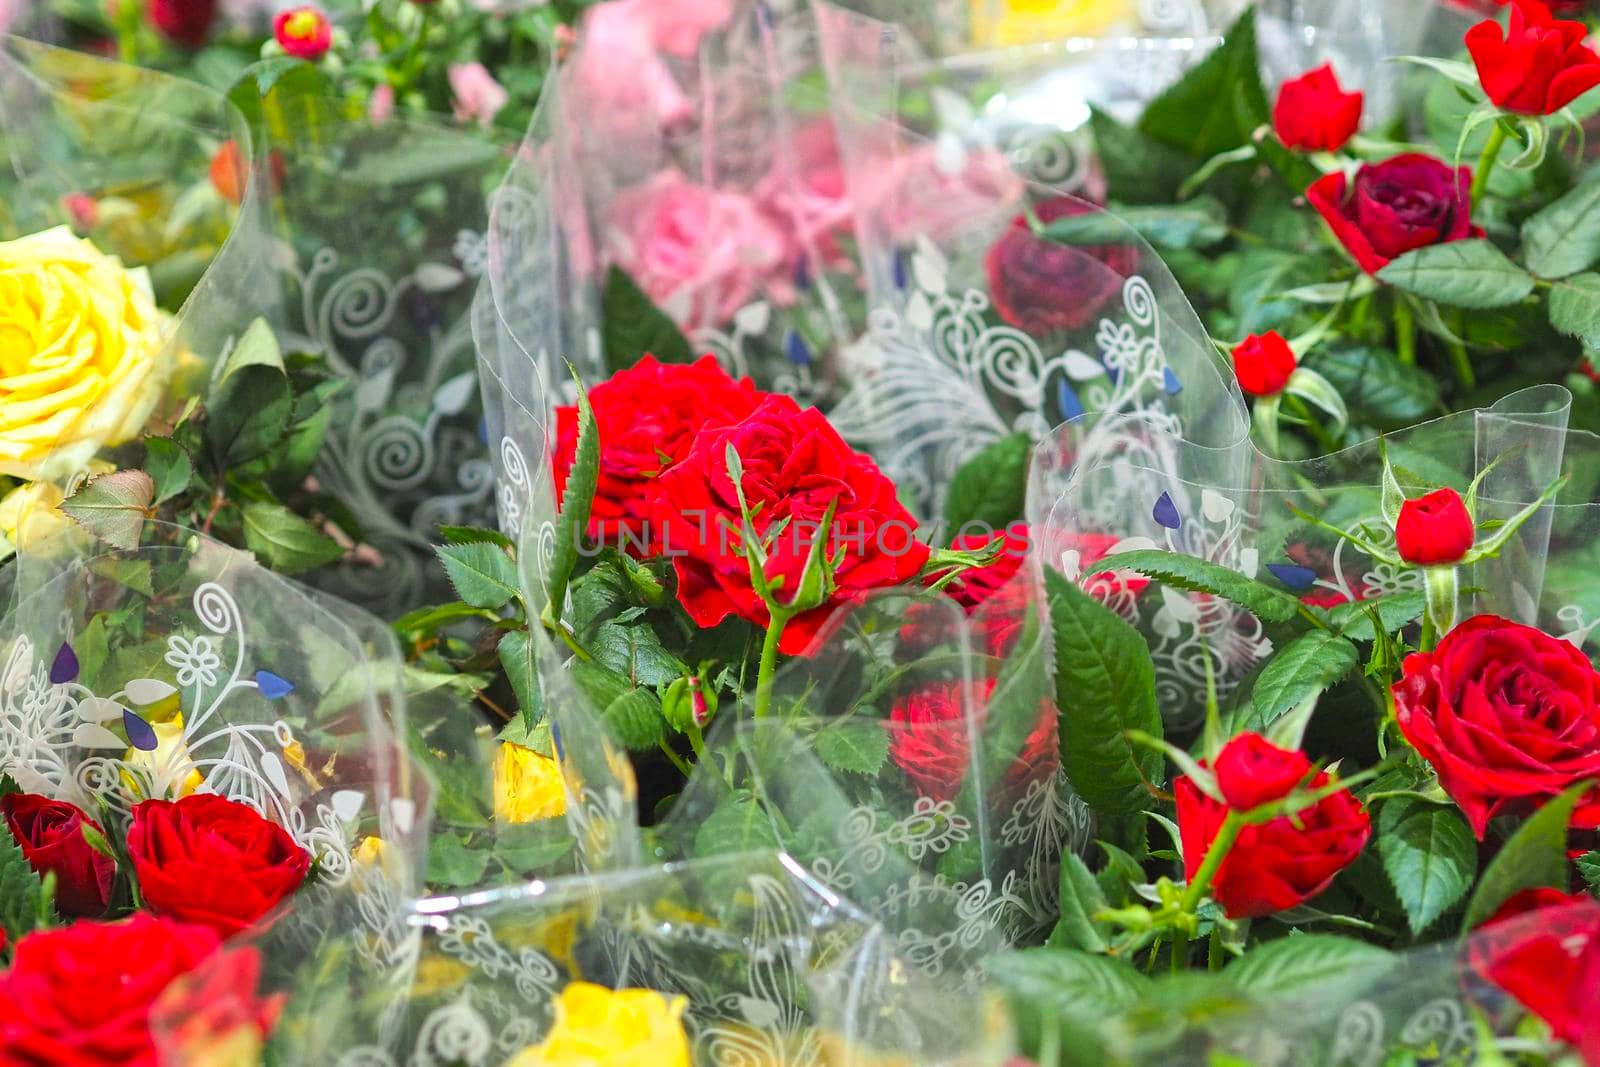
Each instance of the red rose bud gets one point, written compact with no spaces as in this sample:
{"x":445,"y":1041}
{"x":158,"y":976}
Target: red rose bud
{"x":303,"y":32}
{"x":185,"y":22}
{"x":1263,"y":363}
{"x":1537,"y":68}
{"x":1276,"y":865}
{"x":1315,"y":114}
{"x":1252,"y":771}
{"x":83,"y":210}
{"x":1506,"y":715}
{"x":1042,"y":286}
{"x":1409,"y":202}
{"x":1543,"y":948}
{"x":930,"y":742}
{"x":209,"y":860}
{"x":1434,"y":530}
{"x":50,"y":834}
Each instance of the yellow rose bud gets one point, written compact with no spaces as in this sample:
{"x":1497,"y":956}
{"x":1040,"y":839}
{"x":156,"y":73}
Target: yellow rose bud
{"x":29,"y":519}
{"x":83,"y":358}
{"x":527,"y":785}
{"x":600,"y":1027}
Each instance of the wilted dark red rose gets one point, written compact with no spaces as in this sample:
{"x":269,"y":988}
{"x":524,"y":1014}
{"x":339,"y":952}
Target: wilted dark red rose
{"x":50,"y":833}
{"x":186,"y":22}
{"x":1263,"y":363}
{"x":1409,"y":202}
{"x":1314,"y":113}
{"x":795,"y":466}
{"x":1252,"y":771}
{"x":1537,"y":68}
{"x":1276,"y":865}
{"x":1543,"y":947}
{"x":1434,"y":530}
{"x":81,"y":995}
{"x":929,"y":739}
{"x":1041,"y":286}
{"x":1505,"y":713}
{"x":209,"y":860}
{"x":647,"y":417}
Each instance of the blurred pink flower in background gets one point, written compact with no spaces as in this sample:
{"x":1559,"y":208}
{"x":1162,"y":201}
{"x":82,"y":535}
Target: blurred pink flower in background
{"x":620,"y":73}
{"x":380,"y":105}
{"x":917,"y":193}
{"x":676,"y":26}
{"x":9,"y":10}
{"x":478,"y":97}
{"x":807,"y":192}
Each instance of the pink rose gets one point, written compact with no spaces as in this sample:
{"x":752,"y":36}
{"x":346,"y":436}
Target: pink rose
{"x":478,"y":97}
{"x":621,"y":79}
{"x":808,"y":193}
{"x":676,"y":26}
{"x":698,"y":252}
{"x":916,"y":194}
{"x":380,"y":105}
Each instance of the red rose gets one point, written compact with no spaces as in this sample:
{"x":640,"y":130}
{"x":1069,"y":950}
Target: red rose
{"x":979,"y":584}
{"x":209,"y":860}
{"x":795,"y":466}
{"x":50,"y":833}
{"x":1263,"y":363}
{"x":1276,"y":865}
{"x":1314,"y":113}
{"x":1041,"y":286}
{"x":930,"y":741}
{"x":1435,"y":529}
{"x":214,"y":1014}
{"x":1252,"y":771}
{"x":81,"y":995}
{"x":1543,"y":947}
{"x":303,"y":32}
{"x":185,"y":22}
{"x":648,"y":416}
{"x":1405,"y":203}
{"x":1505,"y":713}
{"x":1540,"y":66}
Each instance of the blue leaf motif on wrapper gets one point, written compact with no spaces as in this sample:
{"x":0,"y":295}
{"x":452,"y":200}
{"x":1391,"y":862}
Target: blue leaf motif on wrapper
{"x":273,"y":686}
{"x":1293,"y":575}
{"x":140,"y":733}
{"x":1166,"y":512}
{"x":64,"y":668}
{"x":794,"y":346}
{"x":1170,"y":379}
{"x":1067,"y":399}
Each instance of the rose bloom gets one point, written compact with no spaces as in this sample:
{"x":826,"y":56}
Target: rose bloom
{"x":230,"y":172}
{"x":209,"y":860}
{"x":914,"y":193}
{"x":528,"y":786}
{"x":620,"y":1027}
{"x":1543,"y":947}
{"x":1505,"y":713}
{"x":1313,"y":113}
{"x":303,"y":32}
{"x":795,"y":466}
{"x":1409,"y":202}
{"x":213,"y":1015}
{"x":809,"y":193}
{"x":1252,"y":771}
{"x":185,"y":22}
{"x":83,"y":359}
{"x":477,"y":96}
{"x":1434,"y":530}
{"x":698,"y":252}
{"x":1263,"y":364}
{"x":929,"y":739}
{"x":617,"y":70}
{"x":50,"y":834}
{"x":1040,"y":286}
{"x":31,"y":519}
{"x":647,"y":417}
{"x":1537,"y":67}
{"x":81,"y":995}
{"x":1276,"y":865}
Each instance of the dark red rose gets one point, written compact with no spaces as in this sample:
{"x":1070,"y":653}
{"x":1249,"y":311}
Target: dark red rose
{"x":930,"y":739}
{"x":206,"y":859}
{"x":1409,"y":202}
{"x":1276,"y":865}
{"x":1435,"y":529}
{"x":1263,"y":363}
{"x":1252,"y":771}
{"x":50,"y":833}
{"x":648,"y":416}
{"x":1505,"y":713}
{"x":81,"y":995}
{"x":185,"y":22}
{"x":1537,"y":68}
{"x":1314,"y":113}
{"x":1041,"y":286}
{"x":1543,"y":947}
{"x":795,"y":467}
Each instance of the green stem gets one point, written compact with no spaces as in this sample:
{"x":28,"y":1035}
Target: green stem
{"x":1214,"y":953}
{"x":1491,"y":152}
{"x":1227,"y":834}
{"x":1405,"y":326}
{"x":1180,"y":951}
{"x":1313,"y":425}
{"x":677,"y":760}
{"x":1462,"y":364}
{"x":409,"y":66}
{"x":769,"y":664}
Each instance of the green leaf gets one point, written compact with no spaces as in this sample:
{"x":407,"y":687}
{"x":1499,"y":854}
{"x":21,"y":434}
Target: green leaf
{"x":467,"y":535}
{"x":738,"y":824}
{"x":989,"y":488}
{"x":1467,"y":274}
{"x":481,"y":572}
{"x":20,"y":891}
{"x":1218,"y":104}
{"x":1199,"y":223}
{"x":576,"y":503}
{"x":516,"y":659}
{"x":1589,"y":868}
{"x":1575,"y":308}
{"x":135,"y":574}
{"x":1105,"y":687}
{"x":855,"y":746}
{"x":1429,"y":855}
{"x":453,"y":864}
{"x":247,"y":414}
{"x":636,"y":651}
{"x":1308,"y":964}
{"x":634,"y":327}
{"x":634,"y":720}
{"x":257,"y":348}
{"x":1048,"y":982}
{"x":1564,"y":238}
{"x":1535,"y":856}
{"x":1376,"y":384}
{"x":1202,"y":576}
{"x":169,"y":467}
{"x":1139,"y":169}
{"x":113,"y":506}
{"x":1304,"y":667}
{"x":284,"y":541}
{"x":1394,"y":611}
{"x":1081,"y":898}
{"x":531,"y":848}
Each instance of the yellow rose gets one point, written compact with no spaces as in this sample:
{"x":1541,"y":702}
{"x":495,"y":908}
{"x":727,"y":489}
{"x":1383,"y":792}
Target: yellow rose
{"x":1013,"y":22}
{"x":29,"y":519}
{"x":600,"y":1027}
{"x":527,"y":785}
{"x":83,"y":359}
